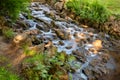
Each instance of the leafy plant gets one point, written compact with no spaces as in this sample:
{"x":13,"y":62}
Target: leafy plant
{"x":45,"y":67}
{"x":6,"y":75}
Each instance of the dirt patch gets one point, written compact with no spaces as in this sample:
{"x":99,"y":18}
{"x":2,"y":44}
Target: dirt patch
{"x":10,"y":57}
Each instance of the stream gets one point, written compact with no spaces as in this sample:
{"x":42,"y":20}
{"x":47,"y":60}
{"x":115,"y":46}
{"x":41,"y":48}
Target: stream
{"x":85,"y":43}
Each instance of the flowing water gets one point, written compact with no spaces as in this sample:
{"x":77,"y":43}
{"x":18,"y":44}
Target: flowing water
{"x":68,"y":37}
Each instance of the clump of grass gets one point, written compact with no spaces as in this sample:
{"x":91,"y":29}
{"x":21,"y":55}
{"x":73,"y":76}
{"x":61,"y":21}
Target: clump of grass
{"x":93,"y":10}
{"x":8,"y":33}
{"x":6,"y":75}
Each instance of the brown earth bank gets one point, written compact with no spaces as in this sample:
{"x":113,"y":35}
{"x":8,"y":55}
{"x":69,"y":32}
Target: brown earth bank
{"x":10,"y":56}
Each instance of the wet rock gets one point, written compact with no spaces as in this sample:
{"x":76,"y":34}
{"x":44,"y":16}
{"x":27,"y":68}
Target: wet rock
{"x":62,"y":34}
{"x":36,"y":8}
{"x":68,"y":47}
{"x":51,"y":14}
{"x":42,"y":26}
{"x":39,"y":26}
{"x":91,"y":34}
{"x":79,"y":55}
{"x":97,"y":67}
{"x":94,"y":73}
{"x":59,"y":5}
{"x":20,"y":38}
{"x":61,"y":43}
{"x":22,"y":24}
{"x":53,"y":25}
{"x":44,"y":19}
{"x":33,"y":32}
{"x":35,"y":40}
{"x":25,"y":16}
{"x":88,"y":73}
{"x":93,"y":50}
{"x":84,"y":26}
{"x":48,"y":44}
{"x":97,"y":44}
{"x":80,"y":43}
{"x":81,"y":36}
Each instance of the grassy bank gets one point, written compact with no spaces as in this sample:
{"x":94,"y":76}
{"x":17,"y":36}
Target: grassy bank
{"x":113,"y":5}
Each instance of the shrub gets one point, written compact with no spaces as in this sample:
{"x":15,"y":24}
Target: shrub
{"x":93,"y":11}
{"x":12,"y":8}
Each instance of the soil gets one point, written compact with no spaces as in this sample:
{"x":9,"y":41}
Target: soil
{"x":10,"y":56}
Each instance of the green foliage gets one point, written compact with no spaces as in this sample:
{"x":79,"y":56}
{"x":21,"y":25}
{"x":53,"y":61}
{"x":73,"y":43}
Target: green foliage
{"x":26,"y":49}
{"x":6,"y":75}
{"x":12,"y":8}
{"x":113,"y":5}
{"x":8,"y":33}
{"x":45,"y":67}
{"x":93,"y":10}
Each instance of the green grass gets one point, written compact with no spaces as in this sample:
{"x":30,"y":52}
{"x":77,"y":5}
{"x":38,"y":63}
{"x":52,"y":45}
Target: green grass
{"x":6,"y":75}
{"x":113,"y":5}
{"x":8,"y":33}
{"x":94,"y":11}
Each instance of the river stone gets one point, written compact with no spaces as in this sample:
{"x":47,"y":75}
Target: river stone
{"x":35,"y":40}
{"x":62,"y":34}
{"x":20,"y":38}
{"x":59,"y":5}
{"x":32,"y":32}
{"x":22,"y":24}
{"x":68,"y":47}
{"x":97,"y":44}
{"x":39,"y":26}
{"x":42,"y":26}
{"x":61,"y":43}
{"x":79,"y":55}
